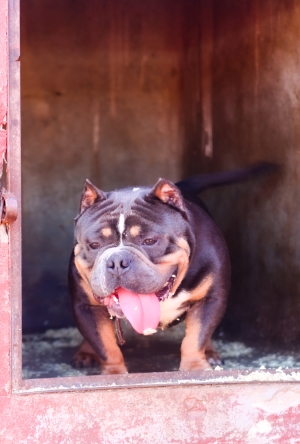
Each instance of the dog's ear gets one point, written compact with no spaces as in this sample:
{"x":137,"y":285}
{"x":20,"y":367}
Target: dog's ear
{"x":168,"y":193}
{"x":90,"y":195}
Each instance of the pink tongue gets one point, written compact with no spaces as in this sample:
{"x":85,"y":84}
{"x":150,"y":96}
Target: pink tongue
{"x":141,"y":310}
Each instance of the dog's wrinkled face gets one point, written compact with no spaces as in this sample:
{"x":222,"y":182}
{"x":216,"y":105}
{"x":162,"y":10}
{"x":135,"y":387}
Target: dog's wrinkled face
{"x":132,"y":242}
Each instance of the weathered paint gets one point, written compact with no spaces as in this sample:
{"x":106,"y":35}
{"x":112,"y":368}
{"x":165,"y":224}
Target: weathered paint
{"x":252,"y":413}
{"x":3,"y":85}
{"x":4,"y":315}
{"x":256,"y":114}
{"x":249,"y":413}
{"x":3,"y":64}
{"x":4,"y":287}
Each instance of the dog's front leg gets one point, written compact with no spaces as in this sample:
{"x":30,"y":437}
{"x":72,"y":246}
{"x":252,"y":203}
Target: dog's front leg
{"x":202,"y":319}
{"x":94,"y":324}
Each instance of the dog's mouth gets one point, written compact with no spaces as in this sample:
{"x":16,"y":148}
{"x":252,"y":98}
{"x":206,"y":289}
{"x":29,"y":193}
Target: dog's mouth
{"x":165,"y":291}
{"x":142,"y":310}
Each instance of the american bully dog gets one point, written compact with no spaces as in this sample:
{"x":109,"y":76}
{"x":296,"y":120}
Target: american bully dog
{"x":155,"y":257}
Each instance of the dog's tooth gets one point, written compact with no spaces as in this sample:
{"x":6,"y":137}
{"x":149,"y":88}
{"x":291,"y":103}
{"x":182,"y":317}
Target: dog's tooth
{"x":149,"y":331}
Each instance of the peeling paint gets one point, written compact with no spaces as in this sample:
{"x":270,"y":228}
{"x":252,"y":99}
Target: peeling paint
{"x":261,"y":428}
{"x":275,"y":402}
{"x":3,"y":235}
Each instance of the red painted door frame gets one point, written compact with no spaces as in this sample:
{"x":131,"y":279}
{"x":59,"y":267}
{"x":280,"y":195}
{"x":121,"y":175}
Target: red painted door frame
{"x":230,"y":408}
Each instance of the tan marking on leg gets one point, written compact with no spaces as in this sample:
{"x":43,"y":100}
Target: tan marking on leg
{"x":191,"y":357}
{"x":106,"y":232}
{"x":135,"y":230}
{"x":86,"y":357}
{"x":115,"y":362}
{"x":202,"y":289}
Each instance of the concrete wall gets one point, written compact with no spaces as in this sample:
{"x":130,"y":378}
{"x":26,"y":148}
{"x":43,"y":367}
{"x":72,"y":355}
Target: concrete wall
{"x":111,"y":91}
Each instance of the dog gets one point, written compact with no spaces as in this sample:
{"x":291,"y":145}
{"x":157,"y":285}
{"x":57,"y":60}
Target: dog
{"x":155,"y":257}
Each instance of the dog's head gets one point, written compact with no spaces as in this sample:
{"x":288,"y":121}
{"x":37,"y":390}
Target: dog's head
{"x":132,"y":246}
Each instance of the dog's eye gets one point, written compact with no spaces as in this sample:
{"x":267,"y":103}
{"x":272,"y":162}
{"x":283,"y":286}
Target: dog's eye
{"x":94,"y":245}
{"x":149,"y":241}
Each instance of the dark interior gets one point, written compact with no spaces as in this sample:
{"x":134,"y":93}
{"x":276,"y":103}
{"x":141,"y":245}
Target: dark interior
{"x":125,"y":92}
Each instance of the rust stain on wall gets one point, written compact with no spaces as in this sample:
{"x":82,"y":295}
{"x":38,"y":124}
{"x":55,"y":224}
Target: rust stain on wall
{"x":3,"y":86}
{"x":256,"y":114}
{"x":4,"y":259}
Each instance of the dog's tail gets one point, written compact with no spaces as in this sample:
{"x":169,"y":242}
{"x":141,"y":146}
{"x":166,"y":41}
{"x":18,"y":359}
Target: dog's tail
{"x":197,"y":184}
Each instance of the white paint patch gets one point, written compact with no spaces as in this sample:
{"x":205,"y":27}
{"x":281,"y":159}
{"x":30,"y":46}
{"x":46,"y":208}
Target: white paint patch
{"x":170,"y":308}
{"x":280,"y":401}
{"x":261,"y":428}
{"x":7,"y":387}
{"x":136,"y":189}
{"x":3,"y":235}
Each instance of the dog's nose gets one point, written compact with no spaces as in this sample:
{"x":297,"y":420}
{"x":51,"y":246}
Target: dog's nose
{"x":118,"y":263}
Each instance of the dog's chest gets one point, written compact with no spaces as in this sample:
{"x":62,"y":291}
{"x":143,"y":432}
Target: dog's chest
{"x":173,"y":308}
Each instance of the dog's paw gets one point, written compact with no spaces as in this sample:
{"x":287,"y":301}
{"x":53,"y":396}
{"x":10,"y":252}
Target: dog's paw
{"x":213,"y":357}
{"x":188,"y":365}
{"x":84,"y":360}
{"x":113,"y":369}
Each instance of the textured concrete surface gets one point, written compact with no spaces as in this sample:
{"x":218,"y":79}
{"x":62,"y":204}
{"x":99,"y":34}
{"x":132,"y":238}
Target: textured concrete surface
{"x":49,"y":354}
